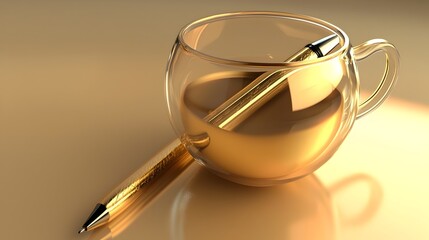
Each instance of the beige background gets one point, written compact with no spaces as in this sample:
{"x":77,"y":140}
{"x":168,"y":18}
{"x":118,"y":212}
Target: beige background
{"x":82,"y":106}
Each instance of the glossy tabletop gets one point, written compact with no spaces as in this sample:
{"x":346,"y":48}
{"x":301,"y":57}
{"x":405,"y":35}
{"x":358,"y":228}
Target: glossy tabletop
{"x":82,"y":106}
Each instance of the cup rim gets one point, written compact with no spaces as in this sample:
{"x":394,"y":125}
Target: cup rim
{"x":344,"y":39}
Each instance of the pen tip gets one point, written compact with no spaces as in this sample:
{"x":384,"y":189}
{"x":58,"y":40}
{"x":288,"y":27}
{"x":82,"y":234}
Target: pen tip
{"x":82,"y":230}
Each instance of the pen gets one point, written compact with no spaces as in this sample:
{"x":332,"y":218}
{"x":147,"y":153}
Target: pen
{"x":227,"y":116}
{"x":142,"y":198}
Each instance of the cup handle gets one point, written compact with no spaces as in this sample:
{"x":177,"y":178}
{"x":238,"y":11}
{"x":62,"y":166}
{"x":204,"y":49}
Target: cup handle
{"x":390,"y":75}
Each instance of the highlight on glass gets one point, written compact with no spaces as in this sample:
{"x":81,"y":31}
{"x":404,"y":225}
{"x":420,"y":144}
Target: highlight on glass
{"x":262,"y":98}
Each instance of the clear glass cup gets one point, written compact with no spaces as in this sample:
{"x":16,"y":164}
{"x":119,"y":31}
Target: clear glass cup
{"x":298,"y":124}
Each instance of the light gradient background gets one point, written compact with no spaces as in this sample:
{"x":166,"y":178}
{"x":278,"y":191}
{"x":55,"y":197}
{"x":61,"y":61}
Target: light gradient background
{"x":82,"y":106}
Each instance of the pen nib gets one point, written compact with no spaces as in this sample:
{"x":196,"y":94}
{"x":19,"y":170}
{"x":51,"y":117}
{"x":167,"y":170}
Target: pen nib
{"x":82,"y":230}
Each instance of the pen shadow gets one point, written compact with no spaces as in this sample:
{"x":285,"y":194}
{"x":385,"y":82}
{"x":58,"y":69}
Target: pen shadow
{"x":209,"y":207}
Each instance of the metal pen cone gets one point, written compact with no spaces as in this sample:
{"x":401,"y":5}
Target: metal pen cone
{"x":327,"y":44}
{"x":99,"y":216}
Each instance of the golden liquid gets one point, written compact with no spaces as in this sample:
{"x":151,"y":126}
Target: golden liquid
{"x":275,"y":142}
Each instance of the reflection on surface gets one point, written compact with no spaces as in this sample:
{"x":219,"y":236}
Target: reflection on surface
{"x":211,"y":208}
{"x":208,"y":207}
{"x":372,"y":204}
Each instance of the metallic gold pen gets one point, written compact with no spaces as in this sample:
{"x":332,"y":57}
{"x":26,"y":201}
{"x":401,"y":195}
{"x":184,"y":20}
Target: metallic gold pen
{"x":227,"y":116}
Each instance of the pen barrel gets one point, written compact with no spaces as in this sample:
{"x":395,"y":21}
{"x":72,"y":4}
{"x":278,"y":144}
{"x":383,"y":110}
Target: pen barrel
{"x":304,"y":54}
{"x":243,"y":104}
{"x":249,"y":99}
{"x":175,"y":154}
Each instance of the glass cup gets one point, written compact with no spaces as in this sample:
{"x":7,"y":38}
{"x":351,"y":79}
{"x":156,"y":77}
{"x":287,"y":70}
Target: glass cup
{"x":256,"y":104}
